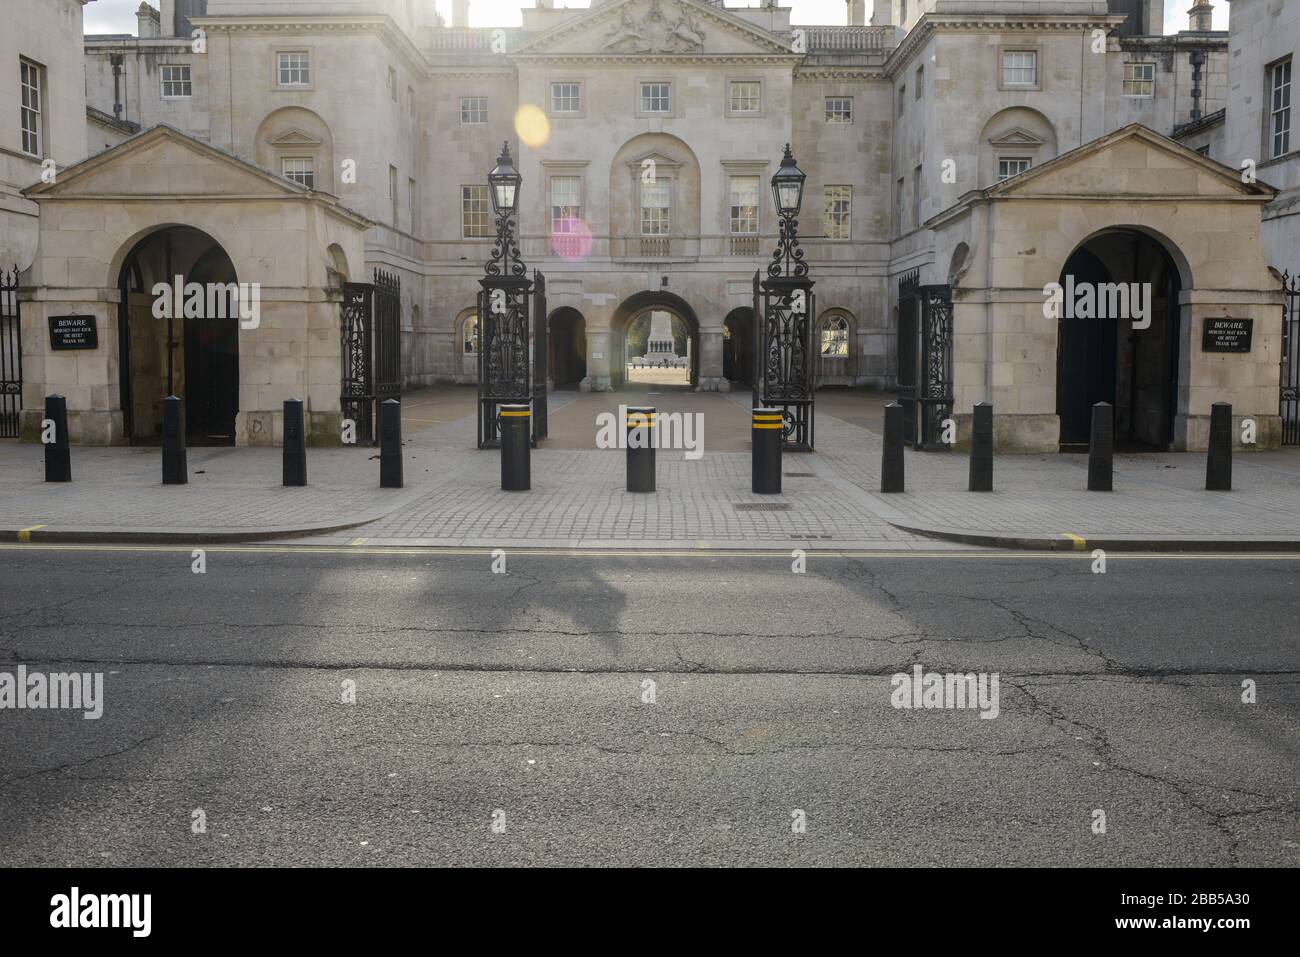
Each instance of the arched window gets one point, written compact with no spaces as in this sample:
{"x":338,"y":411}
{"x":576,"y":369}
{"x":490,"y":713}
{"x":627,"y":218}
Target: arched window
{"x":469,"y":338}
{"x":835,"y":336}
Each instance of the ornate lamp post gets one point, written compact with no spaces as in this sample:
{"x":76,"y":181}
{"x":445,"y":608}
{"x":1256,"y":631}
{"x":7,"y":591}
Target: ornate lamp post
{"x":784,"y":304}
{"x":504,"y":371}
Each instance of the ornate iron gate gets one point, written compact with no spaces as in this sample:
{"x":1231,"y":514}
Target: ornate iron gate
{"x":924,"y":360}
{"x":541,"y":357}
{"x":11,"y":356}
{"x":783,"y":365}
{"x":1289,"y":404}
{"x":372,"y":350}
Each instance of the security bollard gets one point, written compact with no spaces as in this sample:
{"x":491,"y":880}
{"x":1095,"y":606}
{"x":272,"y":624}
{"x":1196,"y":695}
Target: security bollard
{"x":891,"y":464}
{"x":641,"y":448}
{"x":175,"y":470}
{"x":58,"y":458}
{"x":390,"y":444}
{"x":765,"y":436}
{"x":295,"y":444}
{"x":981,"y":448}
{"x":1218,"y":461}
{"x":1101,"y":449}
{"x":515,"y":425}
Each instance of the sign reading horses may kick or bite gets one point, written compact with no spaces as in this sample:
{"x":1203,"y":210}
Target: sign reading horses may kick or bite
{"x":1227,"y":335}
{"x":73,"y":332}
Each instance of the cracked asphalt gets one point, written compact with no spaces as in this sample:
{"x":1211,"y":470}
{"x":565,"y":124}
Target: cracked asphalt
{"x":522,"y":699}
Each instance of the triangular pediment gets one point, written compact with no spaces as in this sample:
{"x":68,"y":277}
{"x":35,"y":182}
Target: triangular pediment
{"x":657,"y":159}
{"x":165,"y":163}
{"x":294,"y":139}
{"x":1132,"y":161}
{"x":654,"y":28}
{"x":1017,"y":137}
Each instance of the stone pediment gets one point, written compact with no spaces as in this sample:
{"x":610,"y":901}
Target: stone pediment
{"x":654,"y":28}
{"x":1016,"y":137}
{"x":296,"y":139}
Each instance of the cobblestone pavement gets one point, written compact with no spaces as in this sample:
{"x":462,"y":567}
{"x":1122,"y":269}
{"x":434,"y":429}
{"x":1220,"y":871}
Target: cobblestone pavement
{"x":831,"y":497}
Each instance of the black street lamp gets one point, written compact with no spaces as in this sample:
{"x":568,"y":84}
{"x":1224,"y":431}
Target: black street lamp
{"x":787,"y":193}
{"x":787,"y":185}
{"x":504,"y":181}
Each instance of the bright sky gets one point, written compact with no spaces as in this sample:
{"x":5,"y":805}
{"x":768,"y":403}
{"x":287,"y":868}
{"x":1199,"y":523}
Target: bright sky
{"x":118,"y":16}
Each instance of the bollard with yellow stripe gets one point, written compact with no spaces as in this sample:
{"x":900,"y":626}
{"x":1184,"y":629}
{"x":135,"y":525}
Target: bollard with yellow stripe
{"x":514,"y":424}
{"x":641,"y":435}
{"x":765,"y":435}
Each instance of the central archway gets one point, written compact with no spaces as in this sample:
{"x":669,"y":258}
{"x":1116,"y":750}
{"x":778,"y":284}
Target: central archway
{"x":637,"y":305}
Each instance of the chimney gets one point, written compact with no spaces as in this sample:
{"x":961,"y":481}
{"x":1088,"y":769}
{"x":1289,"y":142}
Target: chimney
{"x":881,"y":12}
{"x":148,"y":21}
{"x":1201,"y":16}
{"x":460,"y":13}
{"x":857,"y":12}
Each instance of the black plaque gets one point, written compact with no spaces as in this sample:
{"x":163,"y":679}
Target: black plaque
{"x":73,"y":332}
{"x":1227,"y":335}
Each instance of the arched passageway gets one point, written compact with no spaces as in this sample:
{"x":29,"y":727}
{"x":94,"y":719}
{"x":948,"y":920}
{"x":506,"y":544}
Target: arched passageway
{"x":738,"y":346}
{"x":567,"y":342}
{"x":637,"y":310}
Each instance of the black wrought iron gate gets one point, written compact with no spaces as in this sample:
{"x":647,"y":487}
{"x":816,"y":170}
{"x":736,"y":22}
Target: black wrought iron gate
{"x":783,"y":364}
{"x":11,"y":356}
{"x":541,"y":356}
{"x":924,"y":360}
{"x":1289,"y":400}
{"x":372,"y":350}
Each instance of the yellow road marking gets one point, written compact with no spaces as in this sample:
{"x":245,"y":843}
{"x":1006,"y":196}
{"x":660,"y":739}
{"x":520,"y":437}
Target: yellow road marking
{"x":25,"y":534}
{"x":1079,"y":543}
{"x":356,"y":541}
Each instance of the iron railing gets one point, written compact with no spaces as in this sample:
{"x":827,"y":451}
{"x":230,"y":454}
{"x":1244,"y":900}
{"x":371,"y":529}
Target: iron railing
{"x":11,"y":356}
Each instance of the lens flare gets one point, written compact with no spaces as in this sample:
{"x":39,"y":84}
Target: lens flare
{"x":532,"y":126}
{"x":571,"y":239}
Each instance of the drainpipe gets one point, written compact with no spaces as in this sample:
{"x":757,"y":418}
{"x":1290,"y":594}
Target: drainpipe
{"x":116,"y":60}
{"x":1198,"y":58}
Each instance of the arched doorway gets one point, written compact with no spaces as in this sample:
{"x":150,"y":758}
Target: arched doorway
{"x":834,"y":345}
{"x":567,"y":342}
{"x":738,"y":346}
{"x":640,"y":305}
{"x":1118,"y":329}
{"x":195,"y":354}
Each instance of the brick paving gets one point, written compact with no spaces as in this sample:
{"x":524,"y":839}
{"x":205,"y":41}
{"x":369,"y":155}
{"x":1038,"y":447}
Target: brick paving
{"x":578,"y":496}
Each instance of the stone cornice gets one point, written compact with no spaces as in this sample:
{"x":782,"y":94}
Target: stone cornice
{"x":931,"y":23}
{"x":382,"y":25}
{"x":632,"y":58}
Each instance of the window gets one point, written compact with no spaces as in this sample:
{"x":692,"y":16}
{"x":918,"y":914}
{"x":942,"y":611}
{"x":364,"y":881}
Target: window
{"x":410,"y":101}
{"x":392,"y":84}
{"x":655,"y":98}
{"x":299,"y":169}
{"x":30,"y":75}
{"x":654,"y":208}
{"x":1203,"y":150}
{"x":902,"y":98}
{"x":473,"y":110}
{"x":474,"y":212}
{"x":1279,"y":109}
{"x":469,"y":336}
{"x":176,"y":82}
{"x":1139,"y":79}
{"x":412,"y":200}
{"x":566,"y":98}
{"x":1020,"y":68}
{"x":916,"y":197}
{"x":744,"y":96}
{"x":392,"y":190}
{"x":744,"y":205}
{"x":295,"y":69}
{"x":835,"y":336}
{"x":898,"y":203}
{"x":565,"y":208}
{"x":920,"y":81}
{"x":839,"y":109}
{"x":1009,"y":166}
{"x":837,"y":208}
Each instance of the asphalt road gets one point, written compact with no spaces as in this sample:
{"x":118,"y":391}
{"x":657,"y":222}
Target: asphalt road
{"x":519,"y":698}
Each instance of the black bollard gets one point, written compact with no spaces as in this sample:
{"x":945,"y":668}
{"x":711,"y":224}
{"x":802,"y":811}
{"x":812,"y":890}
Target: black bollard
{"x":175,"y":470}
{"x":390,"y":444}
{"x":891,"y":463}
{"x":1101,"y":449}
{"x":765,"y":436}
{"x":58,"y":458}
{"x":295,"y":444}
{"x":1218,"y":461}
{"x":514,"y":423}
{"x":640,"y":448}
{"x":981,"y":448}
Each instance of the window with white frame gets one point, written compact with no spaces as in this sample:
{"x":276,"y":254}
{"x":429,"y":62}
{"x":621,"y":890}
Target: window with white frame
{"x":837,"y":211}
{"x":30,"y":111}
{"x":656,"y":97}
{"x":295,"y":68}
{"x":474,"y":210}
{"x":1020,"y":68}
{"x":299,"y":169}
{"x":1140,"y":79}
{"x":1009,"y":166}
{"x":744,"y":96}
{"x":565,"y":204}
{"x":473,"y":110}
{"x":176,"y":81}
{"x":835,"y":337}
{"x":655,"y":203}
{"x":1279,"y":108}
{"x":839,"y":109}
{"x":566,"y":98}
{"x":743,"y":205}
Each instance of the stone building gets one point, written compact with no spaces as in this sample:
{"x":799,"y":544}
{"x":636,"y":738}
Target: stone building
{"x":972,"y":146}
